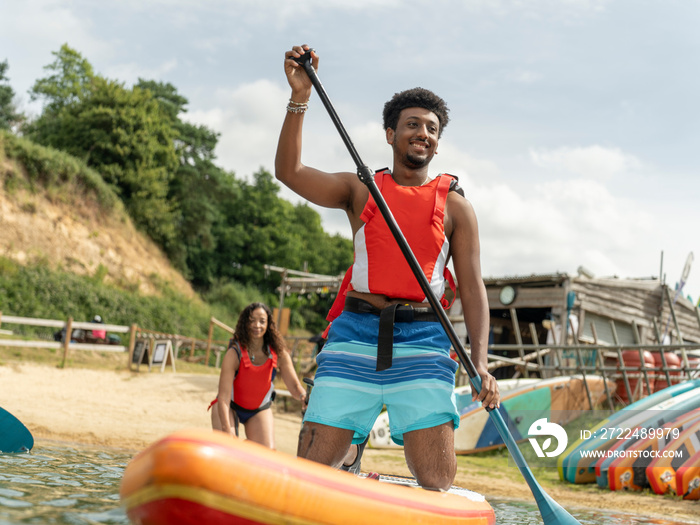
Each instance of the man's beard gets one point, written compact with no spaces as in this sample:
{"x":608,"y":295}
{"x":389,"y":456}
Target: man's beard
{"x":415,"y":162}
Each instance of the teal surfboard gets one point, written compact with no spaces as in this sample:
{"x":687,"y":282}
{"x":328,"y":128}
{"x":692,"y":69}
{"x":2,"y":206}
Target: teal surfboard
{"x":14,"y":436}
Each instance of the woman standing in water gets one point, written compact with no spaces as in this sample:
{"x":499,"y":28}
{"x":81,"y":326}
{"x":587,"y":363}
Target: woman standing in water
{"x":255,"y":353}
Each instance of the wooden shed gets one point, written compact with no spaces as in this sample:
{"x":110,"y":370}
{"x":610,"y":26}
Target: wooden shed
{"x":541,"y":307}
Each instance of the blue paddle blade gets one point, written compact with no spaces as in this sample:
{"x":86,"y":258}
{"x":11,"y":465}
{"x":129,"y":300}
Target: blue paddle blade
{"x":14,"y":436}
{"x":552,"y":513}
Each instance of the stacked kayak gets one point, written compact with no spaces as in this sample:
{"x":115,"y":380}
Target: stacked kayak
{"x":665,"y":422}
{"x":678,"y":471}
{"x":653,"y":443}
{"x":629,"y":472}
{"x":576,"y":464}
{"x":688,"y":478}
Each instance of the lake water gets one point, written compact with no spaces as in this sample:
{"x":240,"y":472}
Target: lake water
{"x":59,"y":484}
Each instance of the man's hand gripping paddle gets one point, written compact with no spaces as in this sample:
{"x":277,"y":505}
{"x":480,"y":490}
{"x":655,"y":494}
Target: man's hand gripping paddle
{"x":552,"y":512}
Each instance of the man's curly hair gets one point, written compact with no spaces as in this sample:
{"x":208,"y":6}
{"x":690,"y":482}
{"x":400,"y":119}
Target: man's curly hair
{"x":415,"y":98}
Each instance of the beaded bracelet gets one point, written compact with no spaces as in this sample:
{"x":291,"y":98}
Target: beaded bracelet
{"x":297,"y":107}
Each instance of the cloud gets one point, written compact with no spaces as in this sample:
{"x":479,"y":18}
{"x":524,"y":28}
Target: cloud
{"x":524,"y":76}
{"x":129,"y":73}
{"x":34,"y":29}
{"x":594,"y":162}
{"x":249,"y":118}
{"x":561,"y":225}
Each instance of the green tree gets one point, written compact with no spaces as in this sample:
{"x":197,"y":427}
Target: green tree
{"x":199,"y":189}
{"x":8,"y":111}
{"x":262,"y":228}
{"x":69,"y":82}
{"x":166,"y":94}
{"x":122,"y":133}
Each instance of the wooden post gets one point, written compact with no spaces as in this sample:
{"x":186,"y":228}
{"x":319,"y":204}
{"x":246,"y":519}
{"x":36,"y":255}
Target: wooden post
{"x":663,"y":354}
{"x":283,"y":316}
{"x":519,"y":340}
{"x":283,"y":291}
{"x":557,"y":356}
{"x":66,"y":341}
{"x":209,"y":337}
{"x":679,"y":335}
{"x":621,"y":363}
{"x":642,"y":362}
{"x":132,"y":342}
{"x":536,"y":341}
{"x":214,"y":321}
{"x":582,"y":369}
{"x":599,"y":355}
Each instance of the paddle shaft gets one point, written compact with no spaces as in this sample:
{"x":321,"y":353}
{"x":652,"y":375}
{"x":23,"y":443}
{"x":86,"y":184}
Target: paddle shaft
{"x":366,"y":176}
{"x":551,"y":511}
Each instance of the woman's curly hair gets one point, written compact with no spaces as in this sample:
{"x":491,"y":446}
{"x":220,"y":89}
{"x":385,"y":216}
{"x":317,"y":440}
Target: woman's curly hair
{"x":272,"y":338}
{"x":415,"y":98}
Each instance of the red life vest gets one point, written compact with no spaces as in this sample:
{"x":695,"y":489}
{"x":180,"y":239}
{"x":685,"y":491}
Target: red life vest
{"x":253,"y":383}
{"x":379,"y":265}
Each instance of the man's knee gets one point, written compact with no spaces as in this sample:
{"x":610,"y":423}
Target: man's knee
{"x":323,"y":444}
{"x":430,"y":456}
{"x":306,"y":438}
{"x":440,"y":477}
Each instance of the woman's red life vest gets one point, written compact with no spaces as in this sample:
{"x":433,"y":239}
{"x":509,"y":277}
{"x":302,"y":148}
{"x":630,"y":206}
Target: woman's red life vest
{"x":253,"y":383}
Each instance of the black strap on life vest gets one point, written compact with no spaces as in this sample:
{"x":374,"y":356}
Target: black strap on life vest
{"x":234,"y":344}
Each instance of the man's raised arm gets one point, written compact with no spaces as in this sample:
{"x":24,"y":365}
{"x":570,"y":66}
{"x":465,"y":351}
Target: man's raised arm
{"x":331,"y":190}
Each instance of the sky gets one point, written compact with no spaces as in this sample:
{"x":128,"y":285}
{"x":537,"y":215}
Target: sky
{"x":574,"y":124}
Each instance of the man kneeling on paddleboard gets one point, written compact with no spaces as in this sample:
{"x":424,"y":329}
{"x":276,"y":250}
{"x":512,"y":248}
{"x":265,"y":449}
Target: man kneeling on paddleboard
{"x":385,"y":345}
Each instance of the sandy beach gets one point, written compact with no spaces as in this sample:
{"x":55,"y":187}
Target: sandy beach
{"x":131,"y":410}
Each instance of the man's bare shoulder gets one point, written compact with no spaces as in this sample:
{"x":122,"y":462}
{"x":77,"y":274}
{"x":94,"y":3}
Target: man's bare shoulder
{"x":459,"y":213}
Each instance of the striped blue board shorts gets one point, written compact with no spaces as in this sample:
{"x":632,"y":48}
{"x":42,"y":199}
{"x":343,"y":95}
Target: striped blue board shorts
{"x":418,"y":389}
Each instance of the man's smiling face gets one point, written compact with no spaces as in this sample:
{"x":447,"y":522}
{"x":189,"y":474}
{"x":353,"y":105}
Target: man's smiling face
{"x":415,"y":138}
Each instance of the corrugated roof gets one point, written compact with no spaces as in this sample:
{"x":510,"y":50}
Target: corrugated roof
{"x":544,"y":278}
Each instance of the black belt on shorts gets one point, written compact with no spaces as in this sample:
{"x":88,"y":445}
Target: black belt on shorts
{"x":396,"y":313}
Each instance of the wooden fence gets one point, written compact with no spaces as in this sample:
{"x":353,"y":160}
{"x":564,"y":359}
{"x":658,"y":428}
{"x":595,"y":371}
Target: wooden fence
{"x":66,"y":344}
{"x":141,"y":340}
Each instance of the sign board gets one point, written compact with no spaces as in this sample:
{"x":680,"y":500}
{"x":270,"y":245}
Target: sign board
{"x":140,"y":355}
{"x":163,"y":354}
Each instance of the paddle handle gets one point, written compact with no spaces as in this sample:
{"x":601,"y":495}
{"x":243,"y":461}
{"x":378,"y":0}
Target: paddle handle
{"x":309,"y":385}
